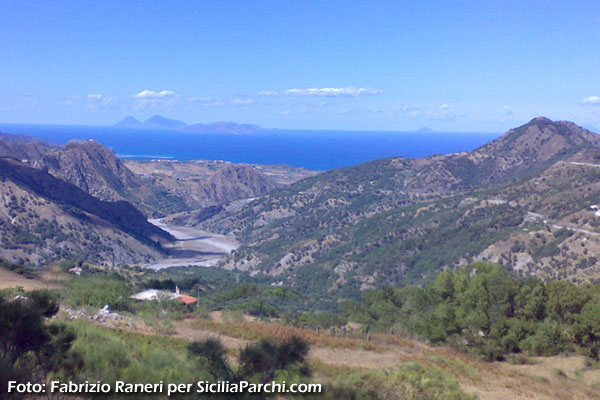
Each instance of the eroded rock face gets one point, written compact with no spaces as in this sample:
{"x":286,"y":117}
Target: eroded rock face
{"x":43,"y":219}
{"x":93,"y":168}
{"x":202,"y":184}
{"x":232,"y":182}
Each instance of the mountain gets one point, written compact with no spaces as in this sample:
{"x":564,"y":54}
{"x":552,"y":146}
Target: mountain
{"x":44,"y":218}
{"x":129,"y":122}
{"x":154,"y":122}
{"x":205,"y":183}
{"x":224,"y":127}
{"x":399,"y":221}
{"x":222,"y":185}
{"x":95,"y":169}
{"x":158,"y":122}
{"x":156,"y":188}
{"x":82,"y":191}
{"x":23,"y":147}
{"x":531,"y":146}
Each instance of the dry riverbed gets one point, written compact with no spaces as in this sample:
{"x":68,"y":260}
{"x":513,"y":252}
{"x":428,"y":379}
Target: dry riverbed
{"x":193,"y":247}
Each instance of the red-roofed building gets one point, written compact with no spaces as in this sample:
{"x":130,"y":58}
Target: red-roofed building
{"x":187,"y":300}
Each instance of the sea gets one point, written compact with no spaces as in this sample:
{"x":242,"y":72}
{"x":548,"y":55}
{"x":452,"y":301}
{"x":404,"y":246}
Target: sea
{"x":311,"y":149}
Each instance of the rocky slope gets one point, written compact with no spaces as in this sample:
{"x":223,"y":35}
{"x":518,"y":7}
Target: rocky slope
{"x":204,"y":183}
{"x":43,"y":218}
{"x":399,"y":220}
{"x":23,"y":147}
{"x":159,"y":188}
{"x":95,"y":169}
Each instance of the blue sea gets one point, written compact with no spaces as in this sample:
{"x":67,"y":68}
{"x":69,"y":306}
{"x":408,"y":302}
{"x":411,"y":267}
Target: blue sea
{"x":318,"y":150}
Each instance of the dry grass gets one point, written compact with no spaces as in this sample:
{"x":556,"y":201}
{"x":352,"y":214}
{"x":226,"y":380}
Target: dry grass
{"x":46,"y":280}
{"x":254,"y":330}
{"x":332,"y":356}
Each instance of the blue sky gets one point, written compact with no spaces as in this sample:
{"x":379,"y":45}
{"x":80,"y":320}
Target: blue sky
{"x":364,"y":65}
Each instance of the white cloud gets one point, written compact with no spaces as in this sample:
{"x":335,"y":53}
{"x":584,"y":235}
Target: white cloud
{"x":160,"y":101}
{"x":270,"y":93}
{"x":411,"y":107}
{"x":197,"y":98}
{"x":242,"y":102}
{"x":94,"y":101}
{"x":216,"y":103}
{"x":506,"y":110}
{"x":591,"y":100}
{"x":99,"y":98}
{"x":325,"y":92}
{"x":442,"y":112}
{"x":20,"y":103}
{"x":152,"y":95}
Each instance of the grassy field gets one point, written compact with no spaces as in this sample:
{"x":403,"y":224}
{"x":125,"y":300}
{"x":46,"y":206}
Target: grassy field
{"x":51,"y":278}
{"x":336,"y":359}
{"x":333,"y":356}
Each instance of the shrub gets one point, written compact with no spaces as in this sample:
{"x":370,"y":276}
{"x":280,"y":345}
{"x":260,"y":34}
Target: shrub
{"x":97,"y":291}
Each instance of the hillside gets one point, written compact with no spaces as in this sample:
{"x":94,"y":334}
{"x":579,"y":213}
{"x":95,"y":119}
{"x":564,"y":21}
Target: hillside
{"x":159,"y":188}
{"x":205,"y":183}
{"x":44,"y":218}
{"x":95,"y":169}
{"x":398,"y":221}
{"x":23,"y":147}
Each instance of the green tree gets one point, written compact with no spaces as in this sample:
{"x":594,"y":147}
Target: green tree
{"x":30,"y":349}
{"x":262,"y":360}
{"x":259,"y":362}
{"x":213,"y":356}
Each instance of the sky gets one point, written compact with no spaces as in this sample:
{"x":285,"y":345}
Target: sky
{"x":483,"y":66}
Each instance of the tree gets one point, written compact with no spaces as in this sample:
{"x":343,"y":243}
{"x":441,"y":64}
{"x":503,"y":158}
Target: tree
{"x":213,"y":356}
{"x":587,"y":330}
{"x":565,"y":301}
{"x":265,"y":358}
{"x":257,"y":362}
{"x":30,"y":349}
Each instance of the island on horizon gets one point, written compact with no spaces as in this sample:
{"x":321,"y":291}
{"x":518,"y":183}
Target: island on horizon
{"x":159,"y":122}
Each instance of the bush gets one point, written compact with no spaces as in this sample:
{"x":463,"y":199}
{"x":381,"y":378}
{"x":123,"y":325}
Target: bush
{"x":97,"y":291}
{"x":411,"y":381}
